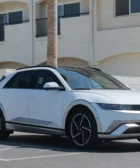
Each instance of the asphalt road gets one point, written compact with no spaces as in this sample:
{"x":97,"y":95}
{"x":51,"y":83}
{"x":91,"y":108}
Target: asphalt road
{"x":38,"y":151}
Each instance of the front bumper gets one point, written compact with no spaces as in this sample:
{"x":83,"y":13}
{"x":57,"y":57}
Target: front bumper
{"x":125,"y":131}
{"x":115,"y":124}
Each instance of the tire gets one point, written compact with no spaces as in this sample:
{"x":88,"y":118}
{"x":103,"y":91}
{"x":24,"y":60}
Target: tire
{"x":138,"y":139}
{"x":83,"y":129}
{"x":4,"y":134}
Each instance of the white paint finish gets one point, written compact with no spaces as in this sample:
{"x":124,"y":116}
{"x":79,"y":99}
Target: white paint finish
{"x":6,"y":71}
{"x":39,"y":157}
{"x":46,"y":106}
{"x":53,"y":106}
{"x":5,"y":149}
{"x":14,"y":107}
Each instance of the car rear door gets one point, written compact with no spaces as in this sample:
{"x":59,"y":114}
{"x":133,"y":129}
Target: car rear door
{"x":14,"y":97}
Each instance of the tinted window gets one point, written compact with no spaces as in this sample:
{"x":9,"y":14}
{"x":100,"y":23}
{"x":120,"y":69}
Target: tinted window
{"x":80,"y":79}
{"x":72,"y":10}
{"x":15,"y":17}
{"x":22,"y":80}
{"x":60,"y":10}
{"x":45,"y":76}
{"x":3,"y":18}
{"x":2,"y":32}
{"x":3,"y":21}
{"x":135,"y":6}
{"x":122,"y":7}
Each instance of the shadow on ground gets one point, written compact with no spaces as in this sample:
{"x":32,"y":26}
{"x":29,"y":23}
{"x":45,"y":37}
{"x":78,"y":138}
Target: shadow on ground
{"x":65,"y":145}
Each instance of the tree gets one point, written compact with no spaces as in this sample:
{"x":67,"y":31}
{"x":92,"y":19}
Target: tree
{"x":52,"y":50}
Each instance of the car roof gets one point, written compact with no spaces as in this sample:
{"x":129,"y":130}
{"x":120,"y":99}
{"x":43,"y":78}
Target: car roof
{"x":65,"y":68}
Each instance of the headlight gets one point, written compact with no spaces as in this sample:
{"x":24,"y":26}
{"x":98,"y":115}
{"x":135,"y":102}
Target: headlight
{"x":115,"y":106}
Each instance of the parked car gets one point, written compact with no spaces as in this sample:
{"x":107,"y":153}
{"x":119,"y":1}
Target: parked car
{"x":85,"y":104}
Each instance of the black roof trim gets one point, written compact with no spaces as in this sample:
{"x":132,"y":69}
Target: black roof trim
{"x":30,"y":67}
{"x":96,"y":69}
{"x":82,"y":68}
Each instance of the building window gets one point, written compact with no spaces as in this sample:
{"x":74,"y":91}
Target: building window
{"x":60,"y":10}
{"x":69,"y":10}
{"x":72,"y":10}
{"x":3,"y":21}
{"x":135,"y":6}
{"x":15,"y":17}
{"x":11,"y":18}
{"x":127,"y":7}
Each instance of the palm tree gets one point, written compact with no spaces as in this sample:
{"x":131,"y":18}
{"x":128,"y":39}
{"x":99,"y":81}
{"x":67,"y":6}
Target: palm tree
{"x":52,"y":33}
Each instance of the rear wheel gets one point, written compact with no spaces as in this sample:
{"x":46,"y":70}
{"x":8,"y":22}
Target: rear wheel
{"x":4,"y":134}
{"x":83,"y":129}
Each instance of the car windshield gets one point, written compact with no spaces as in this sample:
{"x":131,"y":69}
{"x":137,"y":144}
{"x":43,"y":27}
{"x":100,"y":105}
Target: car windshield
{"x":87,"y":79}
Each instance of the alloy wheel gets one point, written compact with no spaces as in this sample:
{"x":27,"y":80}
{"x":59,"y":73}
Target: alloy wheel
{"x":80,"y":129}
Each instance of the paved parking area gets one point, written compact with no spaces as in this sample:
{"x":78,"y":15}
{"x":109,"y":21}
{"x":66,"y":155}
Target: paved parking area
{"x":39,"y":151}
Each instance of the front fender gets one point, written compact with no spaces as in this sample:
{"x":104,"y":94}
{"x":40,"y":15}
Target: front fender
{"x":86,"y":104}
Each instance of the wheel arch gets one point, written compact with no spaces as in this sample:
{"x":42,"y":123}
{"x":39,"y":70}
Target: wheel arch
{"x":80,"y":103}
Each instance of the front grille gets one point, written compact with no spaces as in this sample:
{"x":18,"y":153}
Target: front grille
{"x":136,"y":107}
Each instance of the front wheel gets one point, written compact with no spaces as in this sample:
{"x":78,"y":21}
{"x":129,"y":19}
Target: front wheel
{"x":138,"y":139}
{"x":83,"y":129}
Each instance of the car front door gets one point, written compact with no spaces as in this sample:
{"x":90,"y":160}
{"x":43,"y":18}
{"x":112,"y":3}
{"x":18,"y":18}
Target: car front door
{"x":45,"y":106}
{"x":14,"y":97}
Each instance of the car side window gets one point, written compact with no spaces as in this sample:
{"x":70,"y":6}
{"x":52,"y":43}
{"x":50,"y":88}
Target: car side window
{"x":22,"y":80}
{"x":45,"y":76}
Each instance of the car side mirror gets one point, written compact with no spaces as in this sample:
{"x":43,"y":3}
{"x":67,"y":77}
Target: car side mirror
{"x":52,"y":86}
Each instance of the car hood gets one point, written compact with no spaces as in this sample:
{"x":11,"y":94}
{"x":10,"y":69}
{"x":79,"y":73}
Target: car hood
{"x":115,"y":96}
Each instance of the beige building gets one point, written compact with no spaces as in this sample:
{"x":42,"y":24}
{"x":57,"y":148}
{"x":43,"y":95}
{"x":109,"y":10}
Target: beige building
{"x":101,"y":33}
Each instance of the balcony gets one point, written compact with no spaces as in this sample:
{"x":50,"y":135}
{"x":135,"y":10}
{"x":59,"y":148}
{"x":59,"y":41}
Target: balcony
{"x":2,"y":28}
{"x":42,"y":24}
{"x":15,"y":43}
{"x":74,"y":41}
{"x":42,"y":27}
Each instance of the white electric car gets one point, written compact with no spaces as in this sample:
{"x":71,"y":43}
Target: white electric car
{"x":83,"y":103}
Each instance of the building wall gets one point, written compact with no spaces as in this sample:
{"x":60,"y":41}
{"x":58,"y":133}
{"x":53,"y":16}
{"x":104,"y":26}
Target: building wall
{"x":14,"y":6}
{"x":72,"y":62}
{"x":17,"y":45}
{"x":42,"y":9}
{"x":107,"y":19}
{"x":74,"y":40}
{"x":11,"y":65}
{"x":115,"y":42}
{"x":127,"y":64}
